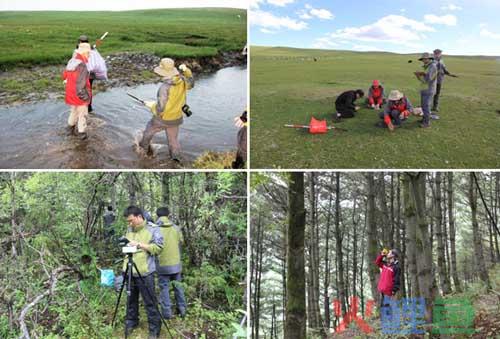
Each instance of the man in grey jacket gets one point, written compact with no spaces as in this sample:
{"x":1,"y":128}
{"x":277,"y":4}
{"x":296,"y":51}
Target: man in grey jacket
{"x":442,"y":71}
{"x":428,"y":80}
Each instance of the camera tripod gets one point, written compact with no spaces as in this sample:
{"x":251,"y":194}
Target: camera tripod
{"x":127,"y":274}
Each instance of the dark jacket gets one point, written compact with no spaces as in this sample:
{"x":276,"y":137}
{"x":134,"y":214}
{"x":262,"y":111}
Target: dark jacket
{"x":346,"y":100}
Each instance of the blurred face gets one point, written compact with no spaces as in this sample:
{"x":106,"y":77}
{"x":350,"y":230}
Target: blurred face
{"x":134,"y":221}
{"x":437,"y":55}
{"x":425,"y":61}
{"x":391,"y":256}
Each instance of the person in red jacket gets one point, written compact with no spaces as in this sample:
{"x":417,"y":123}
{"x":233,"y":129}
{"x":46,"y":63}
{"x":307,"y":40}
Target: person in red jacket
{"x":376,"y":95}
{"x":389,"y":281}
{"x":78,"y":91}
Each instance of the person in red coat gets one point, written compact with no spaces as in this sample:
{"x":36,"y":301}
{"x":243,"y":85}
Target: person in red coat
{"x":78,"y":90}
{"x":376,"y":95}
{"x":389,"y":281}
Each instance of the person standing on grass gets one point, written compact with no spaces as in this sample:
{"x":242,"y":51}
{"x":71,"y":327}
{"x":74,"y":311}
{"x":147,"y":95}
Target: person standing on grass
{"x":376,"y":95}
{"x":442,"y":71}
{"x":78,"y":90}
{"x":345,"y":103}
{"x":149,"y":242}
{"x":397,"y":110}
{"x":390,"y":274}
{"x":428,"y":80}
{"x":96,"y":65}
{"x":169,"y":265}
{"x":168,"y":108}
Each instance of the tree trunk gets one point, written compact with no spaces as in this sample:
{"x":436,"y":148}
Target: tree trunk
{"x":451,"y":220}
{"x":295,"y":326}
{"x":314,"y":314}
{"x":443,"y":277}
{"x":426,"y":281}
{"x":497,"y":202}
{"x":338,"y":248}
{"x":476,"y":233}
{"x":326,"y":280}
{"x":371,"y":249}
{"x":385,"y":217}
{"x":411,"y":234}
{"x":400,"y":240}
{"x":165,"y":189}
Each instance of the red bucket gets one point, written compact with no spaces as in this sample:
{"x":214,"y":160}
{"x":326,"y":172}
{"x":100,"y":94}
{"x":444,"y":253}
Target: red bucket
{"x":317,"y":126}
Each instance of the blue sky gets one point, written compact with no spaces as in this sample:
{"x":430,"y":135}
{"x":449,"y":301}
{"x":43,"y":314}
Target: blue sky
{"x":464,"y":27}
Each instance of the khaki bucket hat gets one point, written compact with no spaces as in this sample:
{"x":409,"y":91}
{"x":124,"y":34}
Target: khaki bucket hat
{"x":395,"y":95}
{"x":166,"y":68}
{"x":426,"y":56}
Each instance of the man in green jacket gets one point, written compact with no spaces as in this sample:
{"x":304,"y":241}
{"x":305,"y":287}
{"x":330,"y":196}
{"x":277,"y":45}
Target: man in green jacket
{"x":149,"y":241}
{"x":169,"y":265}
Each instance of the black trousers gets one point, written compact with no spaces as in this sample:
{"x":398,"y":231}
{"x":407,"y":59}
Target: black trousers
{"x":435,"y":104}
{"x":150,"y":303}
{"x":91,"y":80}
{"x":345,"y":112}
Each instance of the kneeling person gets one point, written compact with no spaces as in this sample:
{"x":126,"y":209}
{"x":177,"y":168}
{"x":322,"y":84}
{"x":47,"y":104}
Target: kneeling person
{"x":149,"y":241}
{"x":345,"y":103}
{"x":398,"y":108}
{"x":169,"y":265}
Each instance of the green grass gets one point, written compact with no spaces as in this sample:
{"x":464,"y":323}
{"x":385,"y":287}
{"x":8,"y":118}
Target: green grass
{"x":29,"y":38}
{"x":287,"y":86}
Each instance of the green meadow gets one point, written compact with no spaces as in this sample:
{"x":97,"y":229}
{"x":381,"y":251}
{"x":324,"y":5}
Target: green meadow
{"x":29,"y":38}
{"x":288,"y":87}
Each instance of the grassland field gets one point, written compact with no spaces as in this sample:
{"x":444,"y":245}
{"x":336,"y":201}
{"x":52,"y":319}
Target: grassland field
{"x":288,"y":86}
{"x":29,"y":38}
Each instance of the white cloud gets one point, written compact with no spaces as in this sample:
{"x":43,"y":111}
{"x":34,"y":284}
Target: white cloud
{"x":451,"y":7}
{"x":483,"y":25}
{"x":256,"y":3}
{"x":448,"y":20}
{"x":310,"y":12}
{"x":322,"y":14}
{"x":402,"y":10}
{"x":280,"y":3}
{"x":270,"y":21}
{"x":304,"y":16}
{"x":392,"y":29}
{"x":489,"y":34}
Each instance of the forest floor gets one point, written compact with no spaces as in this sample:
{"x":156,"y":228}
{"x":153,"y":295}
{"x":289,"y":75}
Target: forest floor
{"x":486,"y":313}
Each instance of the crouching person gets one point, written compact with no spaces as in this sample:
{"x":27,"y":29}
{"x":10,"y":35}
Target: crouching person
{"x":169,"y":265}
{"x":149,"y":241}
{"x":397,"y":110}
{"x":376,"y":95}
{"x":78,"y":91}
